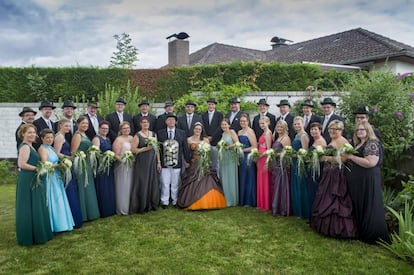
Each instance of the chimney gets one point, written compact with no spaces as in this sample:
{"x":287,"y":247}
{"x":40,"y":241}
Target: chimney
{"x":178,"y":53}
{"x":278,"y":45}
{"x":279,"y":42}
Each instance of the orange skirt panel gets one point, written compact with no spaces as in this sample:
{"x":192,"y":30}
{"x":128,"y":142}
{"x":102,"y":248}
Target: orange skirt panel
{"x":213,"y":199}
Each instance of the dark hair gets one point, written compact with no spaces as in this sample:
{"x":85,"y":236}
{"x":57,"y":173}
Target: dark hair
{"x":226,"y":120}
{"x":104,"y":122}
{"x":144,"y":118}
{"x":45,"y":132}
{"x":80,"y":119}
{"x":316,"y":124}
{"x":203,"y":133}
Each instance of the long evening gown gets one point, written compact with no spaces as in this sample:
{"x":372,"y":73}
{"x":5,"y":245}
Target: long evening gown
{"x":247,"y":177}
{"x":365,"y":189}
{"x":199,"y":193}
{"x":281,"y":204}
{"x":32,"y":215}
{"x":145,"y":191}
{"x":123,"y":183}
{"x":59,"y":210}
{"x":229,"y":174}
{"x":263,"y":177}
{"x":72,"y":192}
{"x":313,"y":182}
{"x":105,"y":183}
{"x":86,"y":185}
{"x":299,"y":192}
{"x":332,"y":208}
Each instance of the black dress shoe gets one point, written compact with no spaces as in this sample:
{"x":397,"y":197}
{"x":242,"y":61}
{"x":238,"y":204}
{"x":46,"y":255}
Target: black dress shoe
{"x":164,"y":206}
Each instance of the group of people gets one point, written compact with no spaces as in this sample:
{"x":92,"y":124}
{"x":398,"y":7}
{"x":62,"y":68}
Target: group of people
{"x":166,"y":167}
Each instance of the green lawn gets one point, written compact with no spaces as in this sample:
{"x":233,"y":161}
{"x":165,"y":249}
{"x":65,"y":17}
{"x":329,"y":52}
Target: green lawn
{"x":237,"y":240}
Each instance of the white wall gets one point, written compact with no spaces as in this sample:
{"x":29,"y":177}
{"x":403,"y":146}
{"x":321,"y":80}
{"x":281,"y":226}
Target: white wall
{"x":395,"y":67}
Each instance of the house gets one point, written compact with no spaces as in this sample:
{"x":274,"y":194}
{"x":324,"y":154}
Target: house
{"x":348,"y":50}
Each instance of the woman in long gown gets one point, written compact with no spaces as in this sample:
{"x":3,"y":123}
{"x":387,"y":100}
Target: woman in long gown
{"x":123,"y":173}
{"x":59,"y":210}
{"x":199,"y":191}
{"x":86,"y":184}
{"x":364,"y":183}
{"x":281,"y":203}
{"x":332,"y":208}
{"x":104,"y":181}
{"x":263,"y":174}
{"x":247,"y":171}
{"x":299,"y":192}
{"x":32,"y":215}
{"x":145,"y":191}
{"x":228,"y":161}
{"x":62,"y":148}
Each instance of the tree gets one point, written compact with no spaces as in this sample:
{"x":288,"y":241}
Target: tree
{"x":127,"y":53}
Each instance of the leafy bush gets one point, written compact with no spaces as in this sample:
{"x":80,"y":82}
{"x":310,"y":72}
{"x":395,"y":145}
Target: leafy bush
{"x":8,"y":172}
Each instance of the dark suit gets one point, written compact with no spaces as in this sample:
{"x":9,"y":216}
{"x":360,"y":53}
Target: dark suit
{"x":18,"y":139}
{"x":313,"y":118}
{"x":325,"y":133}
{"x":256,"y":127}
{"x":235,"y":124}
{"x":90,"y":133}
{"x":137,"y":125}
{"x":40,"y":124}
{"x":68,"y":136}
{"x":289,"y":120}
{"x":213,"y":129}
{"x":183,"y":125}
{"x":114,"y":122}
{"x":183,"y":150}
{"x":160,"y":122}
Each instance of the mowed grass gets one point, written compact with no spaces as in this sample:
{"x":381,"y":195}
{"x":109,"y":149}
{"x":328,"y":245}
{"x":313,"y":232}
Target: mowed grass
{"x":236,"y":240}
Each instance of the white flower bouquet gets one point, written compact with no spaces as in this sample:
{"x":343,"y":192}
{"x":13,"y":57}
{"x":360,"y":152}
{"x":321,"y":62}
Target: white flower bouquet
{"x":253,"y":156}
{"x":65,"y":166}
{"x":346,"y":149}
{"x":221,"y":145}
{"x":43,"y":169}
{"x":317,"y":152}
{"x":107,"y":158}
{"x":79,"y":165}
{"x":270,"y":157}
{"x":94,"y":153}
{"x":301,"y":154}
{"x":204,"y":160}
{"x":128,"y":158}
{"x":152,"y":141}
{"x":286,"y":155}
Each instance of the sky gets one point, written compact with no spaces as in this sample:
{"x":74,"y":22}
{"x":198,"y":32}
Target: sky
{"x":71,"y":33}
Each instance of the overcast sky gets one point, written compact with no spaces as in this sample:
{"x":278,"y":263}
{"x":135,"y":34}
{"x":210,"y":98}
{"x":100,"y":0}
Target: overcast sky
{"x":80,"y":32}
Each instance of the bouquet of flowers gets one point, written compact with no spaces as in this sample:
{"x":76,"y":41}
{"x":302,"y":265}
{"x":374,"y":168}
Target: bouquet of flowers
{"x":286,"y":155}
{"x":94,"y":153}
{"x":128,"y":158}
{"x":315,"y":161}
{"x":221,"y":145}
{"x":238,"y":150}
{"x":152,"y":141}
{"x":43,"y":169}
{"x":107,"y":158}
{"x":204,"y":161}
{"x":301,"y":154}
{"x":65,"y":166}
{"x":79,"y":165}
{"x":346,"y":149}
{"x":270,"y":157}
{"x":253,"y":156}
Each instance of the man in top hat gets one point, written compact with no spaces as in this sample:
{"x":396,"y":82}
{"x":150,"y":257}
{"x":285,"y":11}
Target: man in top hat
{"x":234,"y":115}
{"x":68,"y":109}
{"x":263,"y":111}
{"x":28,"y":116}
{"x":144,"y":107}
{"x":186,"y":122}
{"x":117,"y":118}
{"x":212,"y":127}
{"x":309,"y":117}
{"x":160,"y":123}
{"x":45,"y":120}
{"x":362,"y":114}
{"x":93,"y":118}
{"x":328,"y":108}
{"x":284,"y":110}
{"x":172,"y":158}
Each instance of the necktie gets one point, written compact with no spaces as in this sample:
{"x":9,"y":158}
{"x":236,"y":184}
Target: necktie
{"x":282,"y":118}
{"x":325,"y":123}
{"x":189,"y":121}
{"x":71,"y":127}
{"x":306,"y":121}
{"x":49,"y":124}
{"x":95,"y":123}
{"x":210,"y":117}
{"x":121,"y":117}
{"x":170,"y":135}
{"x":232,"y":117}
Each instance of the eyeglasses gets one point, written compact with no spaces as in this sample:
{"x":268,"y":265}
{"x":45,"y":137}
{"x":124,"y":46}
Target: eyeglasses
{"x":334,"y":129}
{"x":357,"y":130}
{"x":104,"y":128}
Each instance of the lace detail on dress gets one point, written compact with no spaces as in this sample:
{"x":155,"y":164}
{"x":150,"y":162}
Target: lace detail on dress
{"x":371,"y":148}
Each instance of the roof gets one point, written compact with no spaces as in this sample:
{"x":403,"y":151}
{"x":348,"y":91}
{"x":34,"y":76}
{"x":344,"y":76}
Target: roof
{"x":346,"y":48}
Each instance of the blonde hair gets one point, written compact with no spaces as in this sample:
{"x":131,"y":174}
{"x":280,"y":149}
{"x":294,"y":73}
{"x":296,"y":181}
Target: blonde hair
{"x":339,"y":124}
{"x":265,"y":119}
{"x":368,"y":128}
{"x":122,"y":125}
{"x":284,"y":125}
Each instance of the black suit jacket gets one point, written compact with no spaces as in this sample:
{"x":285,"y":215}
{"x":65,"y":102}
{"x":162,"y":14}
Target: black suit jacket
{"x":160,"y":123}
{"x":213,"y":129}
{"x":235,"y":124}
{"x":289,"y":120}
{"x":183,"y":125}
{"x":90,"y":133}
{"x":137,"y":125}
{"x":325,"y":133}
{"x":314,"y":118}
{"x":40,"y":124}
{"x":18,"y":139}
{"x":256,"y":128}
{"x":183,"y":149}
{"x":113,"y":120}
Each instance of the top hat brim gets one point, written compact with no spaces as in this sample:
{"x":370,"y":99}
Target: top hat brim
{"x":27,"y":111}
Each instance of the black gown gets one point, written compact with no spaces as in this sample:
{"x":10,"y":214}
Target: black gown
{"x":364,"y":185}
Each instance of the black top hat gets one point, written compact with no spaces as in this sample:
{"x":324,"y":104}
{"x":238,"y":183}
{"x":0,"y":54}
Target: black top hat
{"x":120,"y":100}
{"x":307,"y":102}
{"x":262,"y":101}
{"x":144,"y":102}
{"x":68,"y":103}
{"x":46,"y":103}
{"x":235,"y":100}
{"x":362,"y":109}
{"x":171,"y":115}
{"x":93,"y":104}
{"x":190,"y":102}
{"x":328,"y":100}
{"x":283,"y":102}
{"x":27,"y":110}
{"x":212,"y":100}
{"x":168,"y":103}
